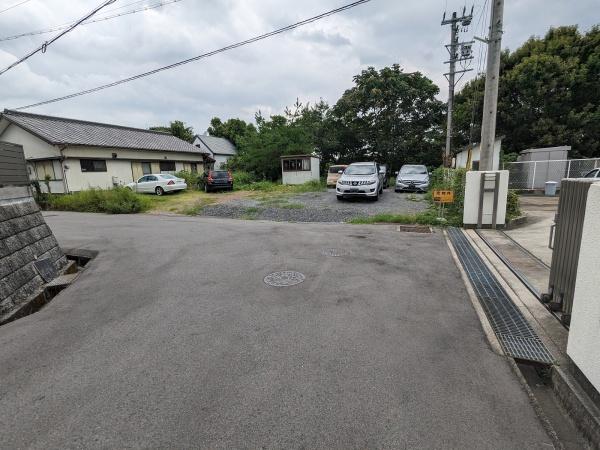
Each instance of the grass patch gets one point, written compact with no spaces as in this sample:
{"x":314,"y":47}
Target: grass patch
{"x":251,"y":213}
{"x":424,"y":218}
{"x":187,"y":202}
{"x":293,"y":206}
{"x":119,"y":200}
{"x":269,"y":186}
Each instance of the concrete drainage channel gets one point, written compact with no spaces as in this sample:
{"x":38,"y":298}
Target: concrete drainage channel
{"x":78,"y":260}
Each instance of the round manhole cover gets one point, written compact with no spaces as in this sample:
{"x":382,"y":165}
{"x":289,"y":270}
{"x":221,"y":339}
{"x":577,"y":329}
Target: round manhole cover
{"x":284,"y":278}
{"x":334,"y":252}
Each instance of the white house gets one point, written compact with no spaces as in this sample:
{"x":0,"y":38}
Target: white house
{"x":77,"y":155}
{"x":298,"y":169}
{"x":468,"y":158}
{"x":219,"y":149}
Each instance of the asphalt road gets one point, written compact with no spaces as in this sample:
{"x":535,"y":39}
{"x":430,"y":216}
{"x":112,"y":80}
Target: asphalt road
{"x":171,"y":339}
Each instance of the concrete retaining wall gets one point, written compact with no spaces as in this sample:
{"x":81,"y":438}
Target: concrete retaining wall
{"x":24,"y":238}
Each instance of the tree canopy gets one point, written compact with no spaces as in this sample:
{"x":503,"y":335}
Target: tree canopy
{"x":390,"y":116}
{"x":549,"y":95}
{"x":177,"y":128}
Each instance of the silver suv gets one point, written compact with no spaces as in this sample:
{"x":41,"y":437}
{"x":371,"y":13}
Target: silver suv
{"x":363,"y":179}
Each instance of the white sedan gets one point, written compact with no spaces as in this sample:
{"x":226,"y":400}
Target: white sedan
{"x":158,"y":183}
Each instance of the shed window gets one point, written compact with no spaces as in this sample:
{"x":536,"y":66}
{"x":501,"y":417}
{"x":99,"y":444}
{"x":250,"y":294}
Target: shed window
{"x":146,"y":168}
{"x":194,"y":167}
{"x":93,"y":165}
{"x":293,"y":165}
{"x":167,"y":166}
{"x":45,"y":169}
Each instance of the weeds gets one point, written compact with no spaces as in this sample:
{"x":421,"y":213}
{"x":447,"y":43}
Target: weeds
{"x":119,"y":200}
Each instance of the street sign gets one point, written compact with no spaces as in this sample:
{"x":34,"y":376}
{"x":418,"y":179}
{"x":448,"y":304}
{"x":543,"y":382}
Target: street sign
{"x":443,"y":196}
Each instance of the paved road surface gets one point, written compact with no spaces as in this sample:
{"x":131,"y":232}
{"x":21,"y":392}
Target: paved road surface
{"x":171,"y":339}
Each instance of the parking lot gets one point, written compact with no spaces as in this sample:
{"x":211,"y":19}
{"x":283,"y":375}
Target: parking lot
{"x":315,"y":207}
{"x":171,"y":339}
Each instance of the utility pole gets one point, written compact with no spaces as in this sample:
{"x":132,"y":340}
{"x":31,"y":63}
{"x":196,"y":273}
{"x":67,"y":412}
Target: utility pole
{"x":455,"y":23}
{"x":492,"y":75}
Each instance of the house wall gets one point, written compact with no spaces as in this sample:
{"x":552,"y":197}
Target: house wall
{"x":462,"y":157}
{"x":584,"y":331}
{"x":34,"y":147}
{"x":119,"y":170}
{"x":301,"y":176}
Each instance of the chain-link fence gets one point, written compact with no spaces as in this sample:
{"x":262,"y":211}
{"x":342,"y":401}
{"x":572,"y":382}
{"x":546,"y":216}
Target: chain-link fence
{"x":534,"y":174}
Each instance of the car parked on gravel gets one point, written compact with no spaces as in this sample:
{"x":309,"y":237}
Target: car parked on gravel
{"x":158,"y":183}
{"x":216,"y":180}
{"x":412,"y":177}
{"x":364,"y":179}
{"x":334,"y":173}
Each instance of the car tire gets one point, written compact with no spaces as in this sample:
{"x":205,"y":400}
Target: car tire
{"x":339,"y":197}
{"x":159,"y":191}
{"x":205,"y":188}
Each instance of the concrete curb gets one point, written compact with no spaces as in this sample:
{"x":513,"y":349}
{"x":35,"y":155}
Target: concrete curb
{"x":578,"y":405}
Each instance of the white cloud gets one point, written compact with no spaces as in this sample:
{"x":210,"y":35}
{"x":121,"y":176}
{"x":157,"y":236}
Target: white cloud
{"x":317,"y":61}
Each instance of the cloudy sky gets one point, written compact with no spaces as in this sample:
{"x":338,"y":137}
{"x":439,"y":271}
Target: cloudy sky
{"x":316,"y":61}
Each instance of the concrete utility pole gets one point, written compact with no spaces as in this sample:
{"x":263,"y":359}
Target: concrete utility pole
{"x":465,"y":54}
{"x":490,"y":101}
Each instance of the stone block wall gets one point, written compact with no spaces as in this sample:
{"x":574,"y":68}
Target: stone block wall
{"x":24,"y":238}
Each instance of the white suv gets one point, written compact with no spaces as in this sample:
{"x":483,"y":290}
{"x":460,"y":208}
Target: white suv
{"x":360,"y":180}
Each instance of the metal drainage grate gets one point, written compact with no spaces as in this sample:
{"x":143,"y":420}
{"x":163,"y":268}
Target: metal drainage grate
{"x":515,"y":334}
{"x":284,"y":278}
{"x":335,"y":252}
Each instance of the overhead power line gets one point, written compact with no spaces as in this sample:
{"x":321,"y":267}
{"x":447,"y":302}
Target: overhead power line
{"x":14,"y":6}
{"x":202,"y":56}
{"x":42,"y":48}
{"x":99,"y":19}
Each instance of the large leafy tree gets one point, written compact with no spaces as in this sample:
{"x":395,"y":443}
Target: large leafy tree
{"x":260,"y":152}
{"x":177,"y":128}
{"x":389,"y":116}
{"x":549,"y":95}
{"x":232,"y":129}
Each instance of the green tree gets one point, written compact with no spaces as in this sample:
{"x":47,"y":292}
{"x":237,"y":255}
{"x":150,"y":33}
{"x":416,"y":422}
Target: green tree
{"x":549,"y":95}
{"x":177,"y":128}
{"x":390,"y":116}
{"x":232,"y":129}
{"x":259,"y":153}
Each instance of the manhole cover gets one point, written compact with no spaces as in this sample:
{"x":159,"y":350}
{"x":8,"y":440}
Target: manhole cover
{"x":284,"y":278}
{"x":334,"y":252}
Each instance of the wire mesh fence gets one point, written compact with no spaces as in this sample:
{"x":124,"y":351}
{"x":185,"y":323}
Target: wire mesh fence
{"x":534,"y":174}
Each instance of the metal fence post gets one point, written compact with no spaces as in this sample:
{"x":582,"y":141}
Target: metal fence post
{"x":533,"y":180}
{"x":569,"y":170}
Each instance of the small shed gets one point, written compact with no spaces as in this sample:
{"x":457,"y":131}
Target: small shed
{"x":298,"y":169}
{"x":468,"y":158}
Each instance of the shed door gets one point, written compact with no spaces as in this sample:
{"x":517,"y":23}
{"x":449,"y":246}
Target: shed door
{"x":136,"y":170}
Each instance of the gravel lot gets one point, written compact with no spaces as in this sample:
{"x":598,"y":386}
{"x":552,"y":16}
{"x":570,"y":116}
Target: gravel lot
{"x":316,"y":207}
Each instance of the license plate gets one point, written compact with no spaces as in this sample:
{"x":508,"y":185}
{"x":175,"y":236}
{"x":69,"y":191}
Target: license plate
{"x":353,"y":190}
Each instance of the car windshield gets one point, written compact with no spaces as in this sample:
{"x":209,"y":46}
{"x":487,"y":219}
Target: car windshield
{"x":335,"y":169}
{"x":360,"y":170}
{"x":219,"y":174}
{"x":413,"y":170}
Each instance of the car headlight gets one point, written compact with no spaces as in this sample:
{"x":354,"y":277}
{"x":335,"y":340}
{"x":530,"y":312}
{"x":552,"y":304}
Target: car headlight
{"x":371,"y":182}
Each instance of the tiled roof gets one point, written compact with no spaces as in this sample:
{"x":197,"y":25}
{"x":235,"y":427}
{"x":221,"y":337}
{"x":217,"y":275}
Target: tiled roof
{"x":218,"y":145}
{"x":61,"y":131}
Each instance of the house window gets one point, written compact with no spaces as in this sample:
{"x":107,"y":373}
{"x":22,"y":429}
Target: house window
{"x":194,"y":167}
{"x":93,"y":165}
{"x":167,"y":166}
{"x":44,"y":169}
{"x":146,"y":168}
{"x":293,"y":165}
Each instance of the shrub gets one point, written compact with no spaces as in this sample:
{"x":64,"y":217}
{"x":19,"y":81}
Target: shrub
{"x":190,"y":178}
{"x":513,"y":206}
{"x":451,"y":179}
{"x":119,"y":200}
{"x":243,"y":178}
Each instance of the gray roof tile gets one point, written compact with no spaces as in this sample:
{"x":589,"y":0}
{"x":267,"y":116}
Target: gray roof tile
{"x":60,"y":131}
{"x":218,"y":145}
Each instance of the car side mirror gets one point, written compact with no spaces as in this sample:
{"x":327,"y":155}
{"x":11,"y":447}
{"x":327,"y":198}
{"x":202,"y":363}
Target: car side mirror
{"x":396,"y":172}
{"x":340,"y":172}
{"x":382,"y":172}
